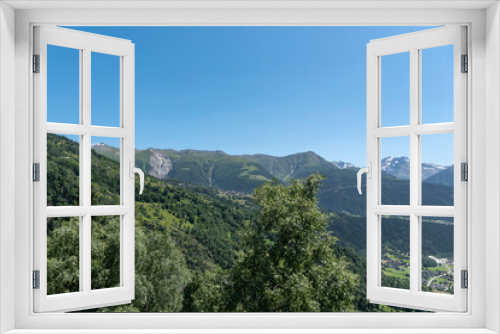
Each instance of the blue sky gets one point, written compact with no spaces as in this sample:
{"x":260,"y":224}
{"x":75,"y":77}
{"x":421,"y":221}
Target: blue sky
{"x":244,"y":90}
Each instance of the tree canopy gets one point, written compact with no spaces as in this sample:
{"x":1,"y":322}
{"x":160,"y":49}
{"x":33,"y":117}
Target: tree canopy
{"x":288,"y":261}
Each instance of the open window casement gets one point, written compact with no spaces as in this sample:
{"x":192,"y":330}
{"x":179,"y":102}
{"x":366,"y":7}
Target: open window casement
{"x":410,"y":214}
{"x":80,"y":217}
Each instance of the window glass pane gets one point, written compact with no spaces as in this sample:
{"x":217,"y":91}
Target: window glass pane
{"x":105,"y":171}
{"x":63,"y":85}
{"x":105,"y":252}
{"x":437,"y":84}
{"x":63,"y":249}
{"x":437,"y":169}
{"x":105,"y":90}
{"x":395,"y":90}
{"x":395,"y":167}
{"x":395,"y":252}
{"x":63,"y":170}
{"x":437,"y":254}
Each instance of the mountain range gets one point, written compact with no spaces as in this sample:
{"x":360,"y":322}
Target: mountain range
{"x":167,"y":163}
{"x":400,"y":168}
{"x":243,"y":173}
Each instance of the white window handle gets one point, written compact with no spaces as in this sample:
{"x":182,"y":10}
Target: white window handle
{"x":368,"y":171}
{"x":141,"y":175}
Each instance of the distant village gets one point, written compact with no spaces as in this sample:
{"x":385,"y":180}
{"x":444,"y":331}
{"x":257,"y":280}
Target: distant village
{"x":429,"y":276}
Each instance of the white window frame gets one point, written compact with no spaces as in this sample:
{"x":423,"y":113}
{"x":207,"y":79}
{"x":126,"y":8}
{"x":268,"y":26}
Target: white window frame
{"x":414,"y":43}
{"x":86,"y":44}
{"x":483,"y":21}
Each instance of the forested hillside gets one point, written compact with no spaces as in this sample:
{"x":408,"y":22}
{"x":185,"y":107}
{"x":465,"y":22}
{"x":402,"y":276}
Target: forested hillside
{"x":185,"y":234}
{"x":202,"y":221}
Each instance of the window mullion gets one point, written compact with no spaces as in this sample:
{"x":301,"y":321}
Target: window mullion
{"x":415,"y":172}
{"x":127,"y":196}
{"x":81,"y":269}
{"x":85,"y":179}
{"x":86,"y":253}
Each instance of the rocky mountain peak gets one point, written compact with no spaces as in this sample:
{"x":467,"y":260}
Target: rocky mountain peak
{"x":99,"y":145}
{"x":400,"y":167}
{"x":343,"y":164}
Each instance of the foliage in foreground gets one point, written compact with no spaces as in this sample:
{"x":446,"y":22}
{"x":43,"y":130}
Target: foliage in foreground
{"x":160,"y":270}
{"x":176,"y":224}
{"x":288,"y":263}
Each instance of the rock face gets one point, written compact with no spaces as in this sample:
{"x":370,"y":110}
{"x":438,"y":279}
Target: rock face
{"x":160,"y":164}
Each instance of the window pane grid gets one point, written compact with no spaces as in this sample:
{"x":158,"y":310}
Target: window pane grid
{"x":415,"y":255}
{"x":415,"y":160}
{"x":431,"y":123}
{"x":85,"y":248}
{"x":86,"y":210}
{"x":415,"y":211}
{"x":76,"y":294}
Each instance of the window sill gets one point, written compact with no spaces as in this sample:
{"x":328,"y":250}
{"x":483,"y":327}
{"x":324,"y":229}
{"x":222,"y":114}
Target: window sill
{"x":252,"y":331}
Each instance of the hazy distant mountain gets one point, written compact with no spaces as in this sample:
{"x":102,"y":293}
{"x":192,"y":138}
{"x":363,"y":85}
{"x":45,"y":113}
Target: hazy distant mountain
{"x":400,"y":168}
{"x":444,"y":177}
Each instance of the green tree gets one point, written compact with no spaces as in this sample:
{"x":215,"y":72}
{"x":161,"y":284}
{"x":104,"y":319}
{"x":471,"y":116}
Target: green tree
{"x":289,"y":263}
{"x":63,"y":255}
{"x":205,"y":292}
{"x":161,"y":272}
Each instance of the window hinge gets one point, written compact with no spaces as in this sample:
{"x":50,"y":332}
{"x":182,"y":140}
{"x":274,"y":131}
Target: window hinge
{"x":465,"y":64}
{"x":465,"y":279}
{"x":464,"y":168}
{"x":36,"y":279}
{"x":36,"y":172}
{"x":36,"y":63}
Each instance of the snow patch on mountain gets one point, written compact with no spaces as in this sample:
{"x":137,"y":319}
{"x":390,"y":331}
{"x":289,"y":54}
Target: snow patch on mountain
{"x":343,"y":164}
{"x":400,"y":168}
